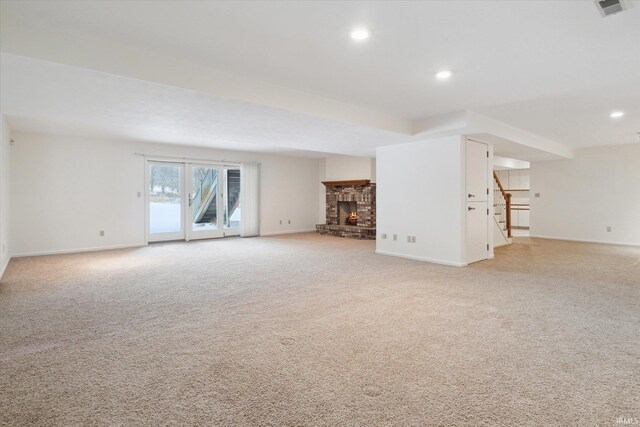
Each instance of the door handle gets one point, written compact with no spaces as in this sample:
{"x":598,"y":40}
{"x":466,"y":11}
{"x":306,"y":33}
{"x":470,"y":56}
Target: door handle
{"x":471,"y":195}
{"x":471,"y":209}
{"x":190,"y":200}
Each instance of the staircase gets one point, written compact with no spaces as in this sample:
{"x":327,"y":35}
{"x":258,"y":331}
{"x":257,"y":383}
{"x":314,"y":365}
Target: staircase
{"x":205,"y":199}
{"x":501,"y":214}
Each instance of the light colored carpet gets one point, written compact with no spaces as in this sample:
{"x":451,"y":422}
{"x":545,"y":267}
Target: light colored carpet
{"x":312,"y":330}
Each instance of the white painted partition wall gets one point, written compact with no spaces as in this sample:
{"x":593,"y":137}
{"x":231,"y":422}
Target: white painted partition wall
{"x":5,"y":155}
{"x":420,"y":193}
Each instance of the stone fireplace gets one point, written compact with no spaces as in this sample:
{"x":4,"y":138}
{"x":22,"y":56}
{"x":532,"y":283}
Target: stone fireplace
{"x":351,"y":209}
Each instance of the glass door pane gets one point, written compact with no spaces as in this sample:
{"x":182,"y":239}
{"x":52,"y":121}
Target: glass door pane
{"x":204,"y":199}
{"x":165,"y":201}
{"x":232,"y":208}
{"x":204,"y":202}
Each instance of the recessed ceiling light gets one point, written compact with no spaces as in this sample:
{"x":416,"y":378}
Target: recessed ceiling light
{"x":360,"y":33}
{"x":444,"y":74}
{"x":616,"y":114}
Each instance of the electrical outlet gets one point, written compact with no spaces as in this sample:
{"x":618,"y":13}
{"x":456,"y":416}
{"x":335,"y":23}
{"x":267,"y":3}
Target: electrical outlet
{"x":609,"y":229}
{"x":383,"y":236}
{"x":289,"y":221}
{"x":395,"y":237}
{"x":101,"y":233}
{"x":536,"y":195}
{"x":413,"y":239}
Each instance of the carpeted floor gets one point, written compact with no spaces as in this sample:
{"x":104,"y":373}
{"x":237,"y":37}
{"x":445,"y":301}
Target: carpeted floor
{"x":312,"y":330}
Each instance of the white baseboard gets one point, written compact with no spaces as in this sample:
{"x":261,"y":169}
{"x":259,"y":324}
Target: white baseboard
{"x":277,"y":233}
{"x":602,"y":242}
{"x":417,"y":258}
{"x":78,"y":250}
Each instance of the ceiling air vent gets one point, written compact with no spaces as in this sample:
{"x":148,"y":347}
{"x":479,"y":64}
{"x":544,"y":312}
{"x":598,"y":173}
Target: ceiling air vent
{"x":610,"y":7}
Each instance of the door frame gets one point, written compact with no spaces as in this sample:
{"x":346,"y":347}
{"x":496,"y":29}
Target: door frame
{"x":181,"y":235}
{"x":184,"y":161}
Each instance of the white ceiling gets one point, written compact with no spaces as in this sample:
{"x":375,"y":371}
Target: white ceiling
{"x":65,"y":103}
{"x":553,"y":68}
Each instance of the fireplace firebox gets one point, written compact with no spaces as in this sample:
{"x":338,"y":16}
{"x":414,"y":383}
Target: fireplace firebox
{"x":347,"y":213}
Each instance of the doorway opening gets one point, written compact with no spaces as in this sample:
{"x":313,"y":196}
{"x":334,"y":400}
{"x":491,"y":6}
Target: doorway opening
{"x":512,"y":183}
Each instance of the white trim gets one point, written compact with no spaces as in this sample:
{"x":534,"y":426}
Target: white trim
{"x":277,"y":233}
{"x":417,"y":258}
{"x":4,"y":267}
{"x":173,"y":159}
{"x":602,"y":242}
{"x":78,"y":250}
{"x":146,"y":199}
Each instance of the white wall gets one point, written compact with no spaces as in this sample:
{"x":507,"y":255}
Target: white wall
{"x":342,"y":168}
{"x":66,"y":189}
{"x":580,"y":198}
{"x":5,"y":155}
{"x":420,"y":192}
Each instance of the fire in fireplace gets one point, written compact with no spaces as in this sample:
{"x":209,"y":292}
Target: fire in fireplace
{"x":347,"y":213}
{"x":353,"y":218}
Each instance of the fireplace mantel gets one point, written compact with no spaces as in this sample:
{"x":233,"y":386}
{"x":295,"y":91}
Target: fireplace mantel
{"x":346,"y":183}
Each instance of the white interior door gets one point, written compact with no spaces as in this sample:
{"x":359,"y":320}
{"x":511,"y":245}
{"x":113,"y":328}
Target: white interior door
{"x":205,"y":219}
{"x":477,"y":209}
{"x":477,"y":232}
{"x":165,"y":196}
{"x":477,"y":170}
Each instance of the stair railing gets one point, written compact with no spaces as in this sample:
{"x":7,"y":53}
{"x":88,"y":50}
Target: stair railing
{"x":507,"y":199}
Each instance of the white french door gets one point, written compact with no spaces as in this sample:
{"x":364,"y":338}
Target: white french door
{"x":165,"y":201}
{"x":189,"y":201}
{"x":204,"y":207}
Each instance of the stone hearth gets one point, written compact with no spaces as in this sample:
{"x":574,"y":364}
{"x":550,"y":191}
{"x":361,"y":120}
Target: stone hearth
{"x":362,"y":195}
